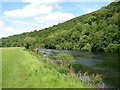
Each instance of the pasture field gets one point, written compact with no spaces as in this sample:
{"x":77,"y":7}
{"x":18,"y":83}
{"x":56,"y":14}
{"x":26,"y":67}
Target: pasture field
{"x":21,"y":69}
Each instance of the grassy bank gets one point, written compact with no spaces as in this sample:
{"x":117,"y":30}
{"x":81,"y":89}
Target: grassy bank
{"x":20,"y":69}
{"x":0,"y":69}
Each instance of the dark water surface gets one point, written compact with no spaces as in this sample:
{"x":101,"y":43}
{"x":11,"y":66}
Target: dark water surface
{"x":93,"y":62}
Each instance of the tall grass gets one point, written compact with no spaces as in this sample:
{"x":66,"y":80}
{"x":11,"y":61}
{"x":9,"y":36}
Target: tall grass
{"x":23,"y":70}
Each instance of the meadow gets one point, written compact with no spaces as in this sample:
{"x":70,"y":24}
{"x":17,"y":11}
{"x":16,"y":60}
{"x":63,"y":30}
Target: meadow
{"x":22,"y":69}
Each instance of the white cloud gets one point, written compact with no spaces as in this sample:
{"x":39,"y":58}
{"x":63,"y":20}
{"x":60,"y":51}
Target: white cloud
{"x":58,"y":6}
{"x":11,"y":30}
{"x":4,"y":28}
{"x":29,"y":11}
{"x":8,"y":29}
{"x":1,"y":23}
{"x":22,"y":22}
{"x":55,"y":18}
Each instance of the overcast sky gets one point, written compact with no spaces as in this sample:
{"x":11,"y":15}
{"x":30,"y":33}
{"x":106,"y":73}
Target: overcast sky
{"x":20,"y":16}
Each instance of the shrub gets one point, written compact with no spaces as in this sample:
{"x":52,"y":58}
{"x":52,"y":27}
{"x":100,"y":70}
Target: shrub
{"x":113,"y":48}
{"x":87,"y":47}
{"x":58,"y":46}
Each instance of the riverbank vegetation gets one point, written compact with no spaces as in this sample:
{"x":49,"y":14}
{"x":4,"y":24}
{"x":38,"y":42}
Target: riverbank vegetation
{"x":23,"y":70}
{"x":96,"y":31}
{"x":32,"y":70}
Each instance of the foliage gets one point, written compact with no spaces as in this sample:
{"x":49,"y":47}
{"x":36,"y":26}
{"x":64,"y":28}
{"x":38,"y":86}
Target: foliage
{"x":66,"y":59}
{"x":95,"y":31}
{"x":113,"y":47}
{"x":96,"y":78}
{"x":87,"y":47}
{"x":28,"y":41}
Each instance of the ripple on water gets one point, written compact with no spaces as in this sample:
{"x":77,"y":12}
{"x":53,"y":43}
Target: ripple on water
{"x":99,"y":68}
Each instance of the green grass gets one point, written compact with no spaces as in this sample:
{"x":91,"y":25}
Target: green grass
{"x":0,"y":69}
{"x":20,"y":69}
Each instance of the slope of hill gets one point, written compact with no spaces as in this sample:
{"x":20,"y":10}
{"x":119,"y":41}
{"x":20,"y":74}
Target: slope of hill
{"x":96,"y":31}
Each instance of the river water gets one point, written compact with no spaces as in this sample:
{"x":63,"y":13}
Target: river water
{"x":93,"y":62}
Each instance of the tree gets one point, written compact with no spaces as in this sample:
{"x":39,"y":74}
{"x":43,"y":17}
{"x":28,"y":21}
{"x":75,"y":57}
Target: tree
{"x":28,"y":41}
{"x":97,"y":41}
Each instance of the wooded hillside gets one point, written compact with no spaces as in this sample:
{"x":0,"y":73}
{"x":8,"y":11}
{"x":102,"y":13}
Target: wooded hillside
{"x":96,"y":31}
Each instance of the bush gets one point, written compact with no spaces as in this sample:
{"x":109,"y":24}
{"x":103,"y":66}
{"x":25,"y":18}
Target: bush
{"x":113,"y":48}
{"x":87,"y":47}
{"x":58,"y":46}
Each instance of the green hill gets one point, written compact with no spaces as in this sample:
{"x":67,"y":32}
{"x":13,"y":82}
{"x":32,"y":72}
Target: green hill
{"x":96,"y":31}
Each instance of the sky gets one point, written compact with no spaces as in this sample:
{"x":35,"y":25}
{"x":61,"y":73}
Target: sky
{"x":18,"y":16}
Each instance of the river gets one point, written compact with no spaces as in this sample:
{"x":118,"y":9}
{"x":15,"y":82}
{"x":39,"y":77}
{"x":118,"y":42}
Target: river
{"x":93,"y":62}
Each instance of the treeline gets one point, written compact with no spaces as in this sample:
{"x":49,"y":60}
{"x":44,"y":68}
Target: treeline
{"x":96,"y":31}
